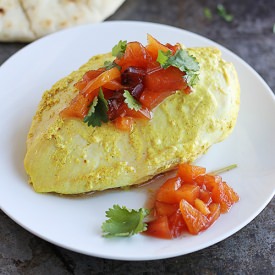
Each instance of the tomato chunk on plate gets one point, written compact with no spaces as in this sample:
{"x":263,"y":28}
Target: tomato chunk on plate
{"x":167,"y":192}
{"x":189,"y":192}
{"x":188,"y":172}
{"x":193,"y":218}
{"x":224,"y":195}
{"x":177,"y":224}
{"x":215,"y":211}
{"x":165,"y":209}
{"x":190,"y":202}
{"x":159,"y":228}
{"x":208,"y":181}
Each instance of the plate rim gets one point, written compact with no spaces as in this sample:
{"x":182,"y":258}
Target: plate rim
{"x":197,"y":36}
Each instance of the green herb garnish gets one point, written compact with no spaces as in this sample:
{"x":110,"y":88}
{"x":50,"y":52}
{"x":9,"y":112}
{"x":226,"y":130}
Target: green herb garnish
{"x":163,"y":58}
{"x":124,"y":222}
{"x":131,"y":102}
{"x":98,"y":111}
{"x":110,"y":64}
{"x":224,"y":169}
{"x":222,"y":12}
{"x":119,"y":49}
{"x":207,"y":13}
{"x":183,"y":61}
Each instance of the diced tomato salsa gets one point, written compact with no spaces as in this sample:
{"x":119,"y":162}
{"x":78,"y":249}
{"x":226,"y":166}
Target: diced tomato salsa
{"x":136,"y":71}
{"x":189,"y":203}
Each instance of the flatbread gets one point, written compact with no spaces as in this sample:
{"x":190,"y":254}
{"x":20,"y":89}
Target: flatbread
{"x":14,"y":25}
{"x":26,"y":20}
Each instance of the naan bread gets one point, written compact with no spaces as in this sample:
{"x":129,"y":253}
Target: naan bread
{"x":26,"y":20}
{"x":14,"y":24}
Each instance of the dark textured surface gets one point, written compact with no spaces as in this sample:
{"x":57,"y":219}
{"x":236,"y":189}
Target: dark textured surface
{"x":251,"y":250}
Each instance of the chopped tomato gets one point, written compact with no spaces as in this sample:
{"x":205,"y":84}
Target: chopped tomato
{"x":114,"y":85}
{"x":160,"y":84}
{"x":165,"y":209}
{"x":177,"y":224}
{"x":173,"y":48}
{"x":80,"y":85}
{"x":100,"y":80}
{"x":192,"y":206}
{"x":205,"y":196}
{"x":189,"y":192}
{"x":123,"y":110}
{"x":167,"y":192}
{"x":159,"y":228}
{"x":151,"y":99}
{"x":88,"y":76}
{"x":78,"y":107}
{"x":193,"y":218}
{"x":173,"y":191}
{"x":189,"y":172}
{"x":143,"y":113}
{"x":140,"y":74}
{"x":154,"y":46}
{"x":124,"y":123}
{"x":161,"y":80}
{"x":135,"y":55}
{"x":201,"y":206}
{"x":92,"y":74}
{"x":209,"y":181}
{"x":224,"y":195}
{"x":215,"y":211}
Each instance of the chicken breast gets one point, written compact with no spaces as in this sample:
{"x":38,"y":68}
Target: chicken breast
{"x":68,"y":157}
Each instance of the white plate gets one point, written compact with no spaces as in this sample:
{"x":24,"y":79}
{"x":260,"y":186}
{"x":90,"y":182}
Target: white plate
{"x":75,"y":223}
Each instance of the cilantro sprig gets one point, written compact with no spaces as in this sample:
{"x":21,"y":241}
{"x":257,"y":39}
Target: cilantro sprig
{"x":131,"y":102}
{"x":207,"y":13}
{"x":224,"y":14}
{"x":124,"y":222}
{"x":183,"y":61}
{"x":119,"y":49}
{"x":163,"y":58}
{"x":98,"y":111}
{"x":110,"y":64}
{"x":221,"y":11}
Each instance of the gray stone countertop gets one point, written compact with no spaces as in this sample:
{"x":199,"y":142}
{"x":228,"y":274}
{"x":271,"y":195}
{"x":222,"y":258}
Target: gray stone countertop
{"x":249,"y":251}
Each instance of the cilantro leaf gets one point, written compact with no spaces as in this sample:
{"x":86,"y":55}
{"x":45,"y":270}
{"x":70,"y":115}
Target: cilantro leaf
{"x":131,"y":102}
{"x":124,"y":222}
{"x":183,"y":61}
{"x":98,"y":111}
{"x":119,"y":49}
{"x":191,"y":78}
{"x":110,"y":64}
{"x":163,"y":58}
{"x":222,"y":12}
{"x":207,"y":13}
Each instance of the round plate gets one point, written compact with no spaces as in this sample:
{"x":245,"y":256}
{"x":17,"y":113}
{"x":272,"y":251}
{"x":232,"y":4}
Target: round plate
{"x":75,"y":223}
